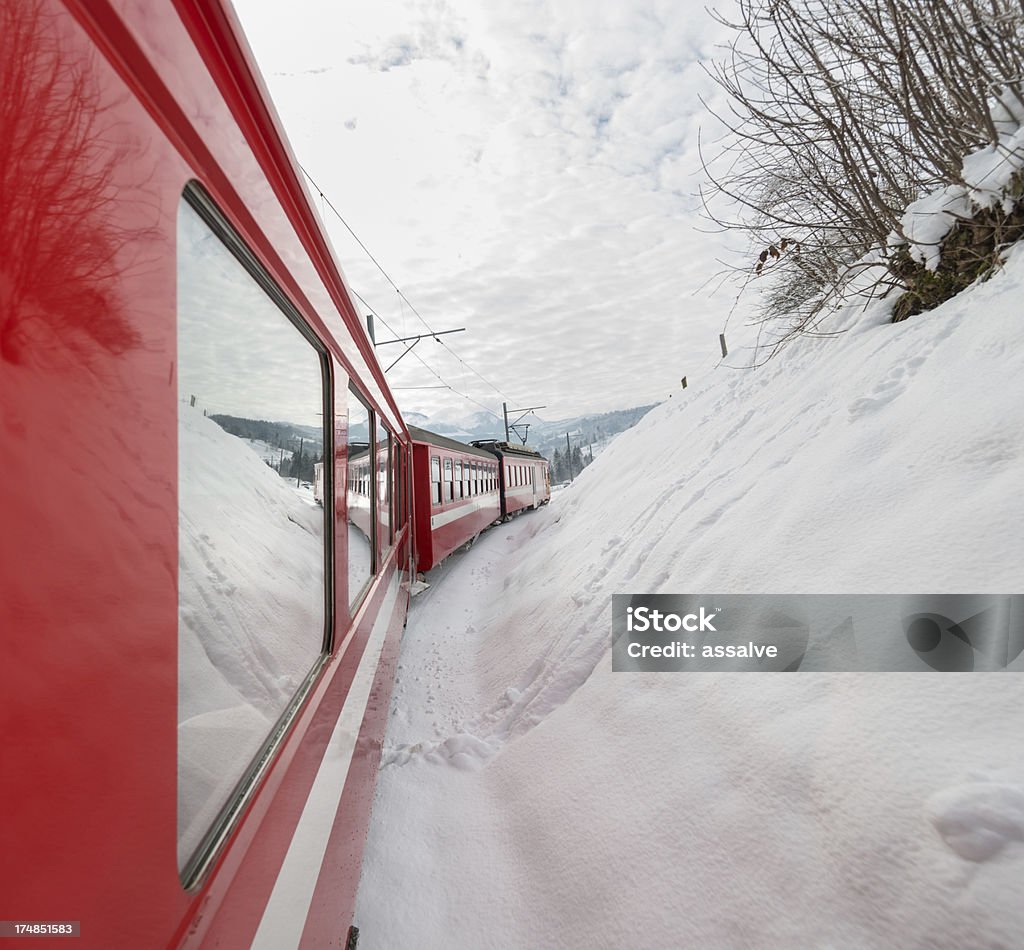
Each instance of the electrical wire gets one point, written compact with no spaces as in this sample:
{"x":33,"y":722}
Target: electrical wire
{"x":325,"y":200}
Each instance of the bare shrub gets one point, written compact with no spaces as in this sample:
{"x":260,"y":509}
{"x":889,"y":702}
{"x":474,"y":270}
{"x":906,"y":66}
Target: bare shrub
{"x":841,"y":113}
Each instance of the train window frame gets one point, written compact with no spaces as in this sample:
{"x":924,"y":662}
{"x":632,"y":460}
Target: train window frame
{"x":211,"y":843}
{"x":398,"y":485}
{"x":385,"y":506}
{"x":364,"y":479}
{"x":436,"y":496}
{"x":449,"y":469}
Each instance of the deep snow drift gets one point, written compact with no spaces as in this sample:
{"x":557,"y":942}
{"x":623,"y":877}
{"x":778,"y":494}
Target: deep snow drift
{"x":250,"y":612}
{"x":531,"y":798}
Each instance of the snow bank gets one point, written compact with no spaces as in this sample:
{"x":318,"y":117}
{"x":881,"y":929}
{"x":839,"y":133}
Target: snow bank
{"x":531,"y":797}
{"x":250,"y":615}
{"x":987,"y":175}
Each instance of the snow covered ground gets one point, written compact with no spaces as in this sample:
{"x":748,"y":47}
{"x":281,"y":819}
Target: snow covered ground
{"x":530,"y":797}
{"x":250,"y":613}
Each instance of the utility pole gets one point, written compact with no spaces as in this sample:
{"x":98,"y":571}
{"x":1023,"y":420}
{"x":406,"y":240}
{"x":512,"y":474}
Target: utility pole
{"x":298,"y":471}
{"x":516,"y":426}
{"x":568,"y":456}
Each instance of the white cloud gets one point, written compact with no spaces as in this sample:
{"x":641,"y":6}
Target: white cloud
{"x":526,"y":170}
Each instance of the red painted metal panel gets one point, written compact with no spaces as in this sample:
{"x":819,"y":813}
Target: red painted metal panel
{"x":114,"y":117}
{"x":442,"y":528}
{"x":421,"y":506}
{"x":88,"y":604}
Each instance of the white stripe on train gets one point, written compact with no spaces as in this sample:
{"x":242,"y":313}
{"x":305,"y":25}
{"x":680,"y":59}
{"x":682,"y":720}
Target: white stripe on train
{"x":489,"y":500}
{"x":285,"y":914}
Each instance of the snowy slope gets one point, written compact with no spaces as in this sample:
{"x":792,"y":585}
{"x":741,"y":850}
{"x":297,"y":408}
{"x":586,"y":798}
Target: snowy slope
{"x":531,"y":797}
{"x":251,"y":614}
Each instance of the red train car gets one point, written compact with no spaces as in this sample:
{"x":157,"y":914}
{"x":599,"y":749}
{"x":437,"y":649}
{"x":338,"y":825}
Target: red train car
{"x":456,"y":491}
{"x":525,"y":476}
{"x":198,"y":658}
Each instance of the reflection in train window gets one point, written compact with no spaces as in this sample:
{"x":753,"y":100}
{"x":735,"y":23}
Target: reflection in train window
{"x":398,"y":482}
{"x":384,"y":493}
{"x":251,"y":537}
{"x":358,"y":497}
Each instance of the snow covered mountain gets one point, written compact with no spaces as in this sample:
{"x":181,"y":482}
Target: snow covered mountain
{"x":543,"y":435}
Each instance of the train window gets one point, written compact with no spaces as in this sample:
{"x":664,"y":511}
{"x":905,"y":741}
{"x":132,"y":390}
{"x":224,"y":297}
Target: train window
{"x":398,"y":484}
{"x":459,"y":492}
{"x":384,"y":493}
{"x":253,"y":602}
{"x":435,"y":479}
{"x":449,"y":488}
{"x":358,"y":502}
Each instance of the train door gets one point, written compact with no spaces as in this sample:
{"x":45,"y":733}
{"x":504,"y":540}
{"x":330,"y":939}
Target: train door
{"x":533,"y":483}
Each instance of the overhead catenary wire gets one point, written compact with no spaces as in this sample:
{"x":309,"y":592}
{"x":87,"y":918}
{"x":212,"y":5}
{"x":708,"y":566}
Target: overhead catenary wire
{"x":403,"y":298}
{"x":444,"y":383}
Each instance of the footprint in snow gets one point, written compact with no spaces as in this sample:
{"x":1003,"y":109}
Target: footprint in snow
{"x":978,"y":819}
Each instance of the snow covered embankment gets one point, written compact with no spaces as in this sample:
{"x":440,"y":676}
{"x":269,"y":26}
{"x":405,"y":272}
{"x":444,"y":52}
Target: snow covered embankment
{"x":668,"y":810}
{"x":250,"y":611}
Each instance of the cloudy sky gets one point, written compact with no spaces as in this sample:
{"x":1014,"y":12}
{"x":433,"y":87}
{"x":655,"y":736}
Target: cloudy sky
{"x":526,"y":169}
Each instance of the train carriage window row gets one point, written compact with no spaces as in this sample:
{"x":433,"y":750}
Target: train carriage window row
{"x":462,"y":479}
{"x":375,"y":496}
{"x":252,"y":543}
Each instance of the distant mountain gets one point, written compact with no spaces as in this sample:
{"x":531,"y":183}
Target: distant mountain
{"x":590,"y":433}
{"x":584,"y":431}
{"x":543,"y":435}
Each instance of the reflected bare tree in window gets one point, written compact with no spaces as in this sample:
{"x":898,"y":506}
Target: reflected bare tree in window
{"x":56,"y":196}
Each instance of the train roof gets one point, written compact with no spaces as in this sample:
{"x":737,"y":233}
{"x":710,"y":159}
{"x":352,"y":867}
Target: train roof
{"x":508,"y":448}
{"x":433,"y":438}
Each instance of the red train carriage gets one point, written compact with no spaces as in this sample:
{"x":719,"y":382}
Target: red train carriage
{"x":524,"y":475}
{"x":456,"y":494}
{"x":198,"y":657}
